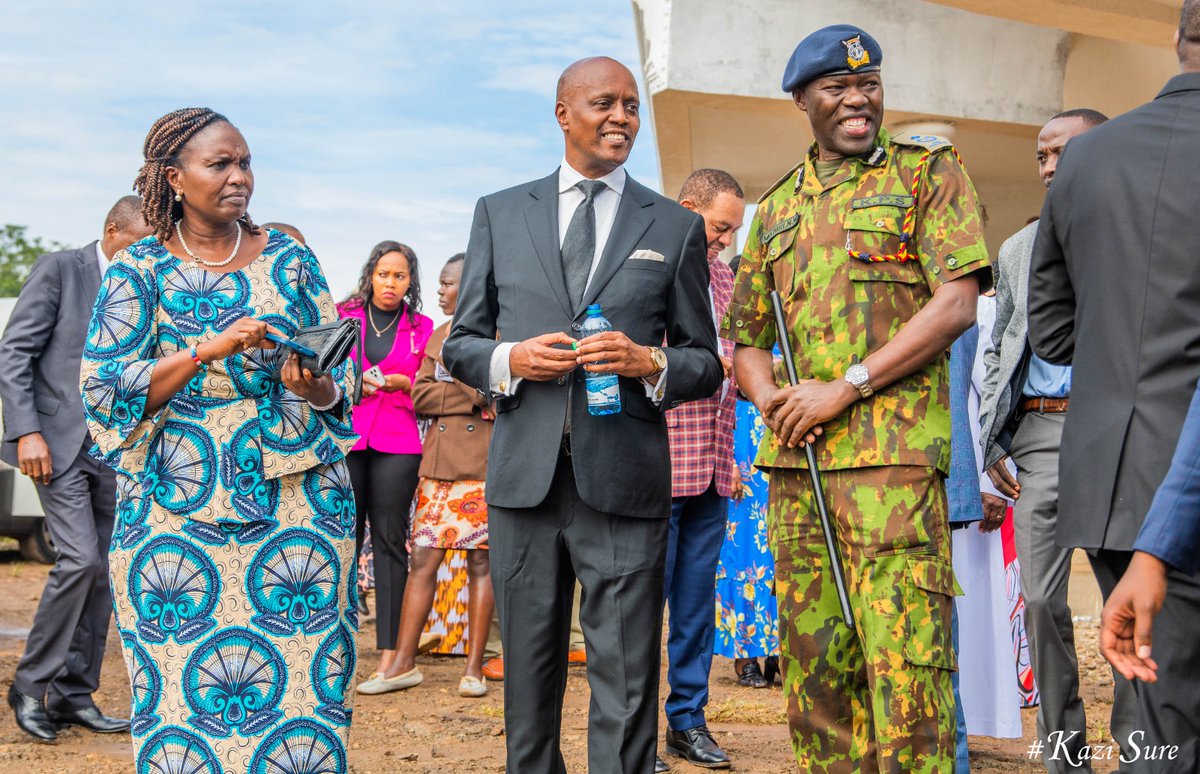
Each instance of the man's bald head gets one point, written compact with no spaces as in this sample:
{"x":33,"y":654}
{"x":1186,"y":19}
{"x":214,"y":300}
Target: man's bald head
{"x":579,"y":72}
{"x":597,"y":109}
{"x":124,"y":225}
{"x":1187,"y":40}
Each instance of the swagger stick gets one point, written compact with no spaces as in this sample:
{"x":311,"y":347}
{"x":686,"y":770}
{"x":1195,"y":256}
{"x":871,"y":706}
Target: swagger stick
{"x":835,"y":557}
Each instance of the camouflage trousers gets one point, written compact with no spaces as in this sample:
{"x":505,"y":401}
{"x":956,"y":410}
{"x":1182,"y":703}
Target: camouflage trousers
{"x":877,"y":698}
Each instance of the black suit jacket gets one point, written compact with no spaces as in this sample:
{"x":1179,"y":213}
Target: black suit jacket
{"x":513,"y":288}
{"x":1114,"y":290}
{"x":41,"y":352}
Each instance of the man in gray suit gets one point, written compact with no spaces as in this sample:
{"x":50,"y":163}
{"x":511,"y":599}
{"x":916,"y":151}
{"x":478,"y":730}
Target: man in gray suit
{"x":45,"y":436}
{"x":1024,"y":403}
{"x":571,"y":495}
{"x":1114,"y":290}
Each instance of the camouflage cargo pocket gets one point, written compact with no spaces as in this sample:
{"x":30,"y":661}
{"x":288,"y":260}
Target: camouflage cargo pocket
{"x":930,"y":588}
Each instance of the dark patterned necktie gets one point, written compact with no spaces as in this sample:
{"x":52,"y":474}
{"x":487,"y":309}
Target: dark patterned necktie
{"x":579,"y":245}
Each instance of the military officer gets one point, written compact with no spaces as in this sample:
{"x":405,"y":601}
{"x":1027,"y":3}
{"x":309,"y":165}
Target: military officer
{"x":875,"y":244}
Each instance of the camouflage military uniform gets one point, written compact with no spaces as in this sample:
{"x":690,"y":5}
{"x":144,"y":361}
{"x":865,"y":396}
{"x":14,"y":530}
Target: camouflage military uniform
{"x":879,"y":699}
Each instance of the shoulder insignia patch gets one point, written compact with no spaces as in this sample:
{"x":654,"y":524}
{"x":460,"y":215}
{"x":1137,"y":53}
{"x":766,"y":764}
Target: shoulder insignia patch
{"x":779,"y":228}
{"x":774,"y":186}
{"x":930,"y":142}
{"x":902,"y":201}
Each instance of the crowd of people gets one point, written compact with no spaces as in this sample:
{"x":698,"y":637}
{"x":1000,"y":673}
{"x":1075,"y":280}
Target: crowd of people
{"x":801,"y":438}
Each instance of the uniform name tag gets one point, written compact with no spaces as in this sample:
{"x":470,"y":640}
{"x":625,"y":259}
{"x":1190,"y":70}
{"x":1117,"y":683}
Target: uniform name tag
{"x":883,"y":200}
{"x":779,"y":228}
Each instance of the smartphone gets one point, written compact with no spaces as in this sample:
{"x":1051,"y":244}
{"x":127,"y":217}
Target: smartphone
{"x":295,"y":346}
{"x":375,"y":376}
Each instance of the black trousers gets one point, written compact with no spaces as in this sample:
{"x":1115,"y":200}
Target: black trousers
{"x":66,"y":643}
{"x":537,"y":554}
{"x":1168,"y":711}
{"x":384,"y":485}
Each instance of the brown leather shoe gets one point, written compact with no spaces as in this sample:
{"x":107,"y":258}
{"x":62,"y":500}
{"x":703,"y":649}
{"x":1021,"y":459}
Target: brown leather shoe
{"x":577,"y":657}
{"x":493,"y":668}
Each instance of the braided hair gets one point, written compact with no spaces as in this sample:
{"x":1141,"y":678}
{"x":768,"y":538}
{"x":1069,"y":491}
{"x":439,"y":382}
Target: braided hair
{"x":411,"y":303}
{"x":164,"y":143}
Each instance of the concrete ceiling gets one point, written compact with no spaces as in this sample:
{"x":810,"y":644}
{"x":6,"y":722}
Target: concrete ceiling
{"x":1149,"y":22}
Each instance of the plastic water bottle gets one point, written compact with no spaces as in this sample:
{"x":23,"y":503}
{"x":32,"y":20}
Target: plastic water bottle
{"x":603,"y":390}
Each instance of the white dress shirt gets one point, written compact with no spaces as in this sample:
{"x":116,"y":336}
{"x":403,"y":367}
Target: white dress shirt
{"x":570,"y":197}
{"x":102,"y":259}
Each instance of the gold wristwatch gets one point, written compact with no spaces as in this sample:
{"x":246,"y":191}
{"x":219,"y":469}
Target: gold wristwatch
{"x":660,"y":360}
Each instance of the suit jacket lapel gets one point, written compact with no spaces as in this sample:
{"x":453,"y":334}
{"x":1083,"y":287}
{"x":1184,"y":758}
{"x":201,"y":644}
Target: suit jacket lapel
{"x":632,"y":219}
{"x":541,"y":216}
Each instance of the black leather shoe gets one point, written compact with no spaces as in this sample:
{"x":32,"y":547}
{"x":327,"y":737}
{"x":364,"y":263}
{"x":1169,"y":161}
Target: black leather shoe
{"x":31,"y":716}
{"x":90,"y":718}
{"x":660,"y":765}
{"x":751,"y":675}
{"x":696,"y":745}
{"x":771,"y":670}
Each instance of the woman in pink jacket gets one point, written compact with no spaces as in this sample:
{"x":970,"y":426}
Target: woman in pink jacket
{"x":384,"y":462}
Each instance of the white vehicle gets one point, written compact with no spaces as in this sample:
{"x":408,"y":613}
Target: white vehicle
{"x":21,"y":514}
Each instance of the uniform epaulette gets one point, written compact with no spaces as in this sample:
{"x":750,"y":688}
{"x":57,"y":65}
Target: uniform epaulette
{"x":771,"y":188}
{"x":930,"y":142}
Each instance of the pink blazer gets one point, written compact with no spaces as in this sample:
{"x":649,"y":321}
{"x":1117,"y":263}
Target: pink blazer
{"x":385,"y":421}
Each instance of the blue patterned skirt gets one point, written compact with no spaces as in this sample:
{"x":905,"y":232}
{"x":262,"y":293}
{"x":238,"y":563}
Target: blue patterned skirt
{"x":239,"y":636}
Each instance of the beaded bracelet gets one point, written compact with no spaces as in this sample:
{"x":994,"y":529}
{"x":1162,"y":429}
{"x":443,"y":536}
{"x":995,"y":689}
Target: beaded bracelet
{"x":195,"y":357}
{"x":337,"y":398}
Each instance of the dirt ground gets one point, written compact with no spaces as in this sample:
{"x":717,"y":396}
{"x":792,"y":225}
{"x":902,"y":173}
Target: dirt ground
{"x":431,"y":730}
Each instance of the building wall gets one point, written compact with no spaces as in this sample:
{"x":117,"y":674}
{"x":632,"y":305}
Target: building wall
{"x":989,"y":73}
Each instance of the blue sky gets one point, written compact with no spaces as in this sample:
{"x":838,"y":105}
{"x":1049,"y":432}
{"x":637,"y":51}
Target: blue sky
{"x":367,"y":121}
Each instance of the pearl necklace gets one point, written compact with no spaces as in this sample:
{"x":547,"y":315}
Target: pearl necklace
{"x":211,"y":264}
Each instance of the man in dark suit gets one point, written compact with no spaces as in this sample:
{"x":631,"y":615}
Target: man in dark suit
{"x":1152,"y":604}
{"x":1114,"y":291}
{"x":45,"y":436}
{"x":572,"y":495}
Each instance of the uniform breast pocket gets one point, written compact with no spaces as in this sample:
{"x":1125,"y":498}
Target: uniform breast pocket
{"x":874,"y":230}
{"x":781,"y":257}
{"x":887,"y":294}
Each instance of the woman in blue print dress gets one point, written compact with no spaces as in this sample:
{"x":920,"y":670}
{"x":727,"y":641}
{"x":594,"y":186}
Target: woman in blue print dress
{"x":747,"y":617}
{"x":232,"y":563}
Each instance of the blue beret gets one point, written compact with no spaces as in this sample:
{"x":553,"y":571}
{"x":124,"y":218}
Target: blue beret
{"x":842,"y":49}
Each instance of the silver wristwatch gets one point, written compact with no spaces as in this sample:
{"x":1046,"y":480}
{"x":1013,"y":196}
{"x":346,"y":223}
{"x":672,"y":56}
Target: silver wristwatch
{"x":860,"y":379}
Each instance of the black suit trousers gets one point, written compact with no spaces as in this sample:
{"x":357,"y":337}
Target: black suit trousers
{"x":65,"y":647}
{"x":537,"y":554}
{"x":1168,"y":711}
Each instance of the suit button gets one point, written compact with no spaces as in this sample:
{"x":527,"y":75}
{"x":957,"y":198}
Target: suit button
{"x":576,"y":327}
{"x":561,"y":380}
{"x":470,"y":428}
{"x":441,"y":428}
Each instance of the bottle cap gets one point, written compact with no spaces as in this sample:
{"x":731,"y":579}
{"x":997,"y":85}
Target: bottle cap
{"x":593,"y":309}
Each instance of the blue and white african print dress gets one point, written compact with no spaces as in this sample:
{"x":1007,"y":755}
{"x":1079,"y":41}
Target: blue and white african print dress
{"x":232,"y":561}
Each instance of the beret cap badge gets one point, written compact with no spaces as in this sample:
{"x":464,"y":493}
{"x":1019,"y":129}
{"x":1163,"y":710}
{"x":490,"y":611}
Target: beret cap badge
{"x":856,"y":54}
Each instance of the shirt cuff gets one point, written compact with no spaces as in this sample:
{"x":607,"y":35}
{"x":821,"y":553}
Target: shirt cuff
{"x":500,"y":378}
{"x":656,"y":386}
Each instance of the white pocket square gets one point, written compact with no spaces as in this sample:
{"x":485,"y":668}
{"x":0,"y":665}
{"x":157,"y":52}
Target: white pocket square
{"x":646,"y":255}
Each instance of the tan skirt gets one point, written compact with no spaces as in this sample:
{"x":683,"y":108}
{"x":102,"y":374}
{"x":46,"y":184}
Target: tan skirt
{"x":450,"y":514}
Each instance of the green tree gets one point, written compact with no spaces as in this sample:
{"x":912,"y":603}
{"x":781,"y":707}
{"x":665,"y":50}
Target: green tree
{"x":17,"y":255}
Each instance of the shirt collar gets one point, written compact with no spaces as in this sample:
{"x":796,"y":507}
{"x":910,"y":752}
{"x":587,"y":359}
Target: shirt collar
{"x":568,"y":176}
{"x":101,"y":257}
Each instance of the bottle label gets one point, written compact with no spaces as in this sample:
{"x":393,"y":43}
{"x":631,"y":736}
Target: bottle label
{"x":603,"y":390}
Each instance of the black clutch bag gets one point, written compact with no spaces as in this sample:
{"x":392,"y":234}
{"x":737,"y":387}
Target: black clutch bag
{"x":330,"y":344}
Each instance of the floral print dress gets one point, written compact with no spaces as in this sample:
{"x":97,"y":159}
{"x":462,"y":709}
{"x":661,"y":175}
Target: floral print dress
{"x":232,"y":560}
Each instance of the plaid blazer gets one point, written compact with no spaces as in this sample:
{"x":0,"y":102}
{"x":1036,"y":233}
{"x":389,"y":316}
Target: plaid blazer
{"x":701,"y":432}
